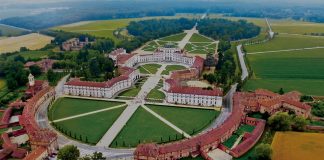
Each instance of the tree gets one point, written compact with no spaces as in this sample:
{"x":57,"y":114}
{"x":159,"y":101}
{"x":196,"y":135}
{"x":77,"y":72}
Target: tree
{"x":281,"y":91}
{"x":51,"y":75}
{"x":281,"y":121}
{"x":210,"y":60}
{"x":97,"y":156}
{"x":23,"y":49}
{"x":299,"y":123}
{"x":262,"y":152}
{"x":35,"y":70}
{"x":69,"y":152}
{"x":211,"y":78}
{"x":94,"y":67}
{"x":19,"y":58}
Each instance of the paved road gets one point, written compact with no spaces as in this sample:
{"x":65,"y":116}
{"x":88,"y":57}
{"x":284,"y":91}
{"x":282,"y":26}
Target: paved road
{"x":245,"y":73}
{"x":118,"y":125}
{"x":186,"y":39}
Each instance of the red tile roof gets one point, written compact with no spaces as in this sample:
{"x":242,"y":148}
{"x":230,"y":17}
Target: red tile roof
{"x":195,"y":91}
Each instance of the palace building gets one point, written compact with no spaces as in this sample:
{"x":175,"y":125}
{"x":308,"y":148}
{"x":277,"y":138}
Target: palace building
{"x":243,"y":103}
{"x":175,"y":93}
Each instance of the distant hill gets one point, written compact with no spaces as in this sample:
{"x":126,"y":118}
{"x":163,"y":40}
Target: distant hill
{"x":10,"y":31}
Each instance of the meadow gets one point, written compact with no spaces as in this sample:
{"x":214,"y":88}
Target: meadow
{"x":106,"y":28}
{"x":297,"y":145}
{"x":285,"y":41}
{"x":294,"y":70}
{"x":32,"y":41}
{"x":143,"y":127}
{"x":192,"y":120}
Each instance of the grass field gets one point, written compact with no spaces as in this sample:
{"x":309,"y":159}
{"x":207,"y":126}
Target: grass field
{"x":200,"y":48}
{"x":65,"y":107}
{"x":149,"y":68}
{"x":241,"y":130}
{"x":199,"y":38}
{"x":155,"y":94}
{"x":171,"y":68}
{"x":297,"y":146}
{"x":105,"y":28}
{"x":32,"y":41}
{"x":295,"y":70}
{"x":151,"y":46}
{"x":282,"y":42}
{"x":32,"y":54}
{"x":192,"y":120}
{"x":143,"y":127}
{"x":92,"y":127}
{"x":132,"y":92}
{"x":2,"y":83}
{"x":11,"y":31}
{"x":175,"y":38}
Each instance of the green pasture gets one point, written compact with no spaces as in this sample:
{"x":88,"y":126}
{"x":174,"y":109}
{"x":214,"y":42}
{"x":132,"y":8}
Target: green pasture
{"x":91,"y":127}
{"x":65,"y":107}
{"x":170,"y":68}
{"x":284,"y":42}
{"x":143,"y":127}
{"x":190,"y":120}
{"x":294,"y":70}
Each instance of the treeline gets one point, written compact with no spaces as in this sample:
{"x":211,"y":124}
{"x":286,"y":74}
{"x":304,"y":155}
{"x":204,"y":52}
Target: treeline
{"x":225,"y":68}
{"x":228,"y":30}
{"x":144,"y":31}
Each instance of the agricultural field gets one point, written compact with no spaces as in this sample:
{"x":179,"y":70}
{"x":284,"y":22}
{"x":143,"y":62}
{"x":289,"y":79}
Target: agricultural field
{"x":144,"y":127}
{"x":192,"y":120}
{"x":2,"y":84}
{"x":285,"y":41}
{"x":91,"y":127}
{"x":9,"y":31}
{"x":149,"y":68}
{"x":65,"y":107}
{"x":297,"y":145}
{"x":294,"y":70}
{"x":170,"y":68}
{"x":32,"y":54}
{"x":32,"y":41}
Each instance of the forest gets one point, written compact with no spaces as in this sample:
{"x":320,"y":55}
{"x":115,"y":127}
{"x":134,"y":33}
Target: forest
{"x":228,"y":30}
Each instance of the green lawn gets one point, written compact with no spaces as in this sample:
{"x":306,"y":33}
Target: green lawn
{"x":296,"y":27}
{"x":151,"y":68}
{"x":241,"y":130}
{"x":200,"y":48}
{"x":295,"y":70}
{"x":92,"y":127}
{"x":156,"y":94}
{"x":189,"y":120}
{"x":175,"y":38}
{"x":143,"y":127}
{"x":199,"y":38}
{"x":151,"y":46}
{"x":133,"y":91}
{"x":65,"y":107}
{"x":170,"y":68}
{"x":282,"y":42}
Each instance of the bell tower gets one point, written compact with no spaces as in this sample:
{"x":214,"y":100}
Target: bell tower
{"x":31,"y":80}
